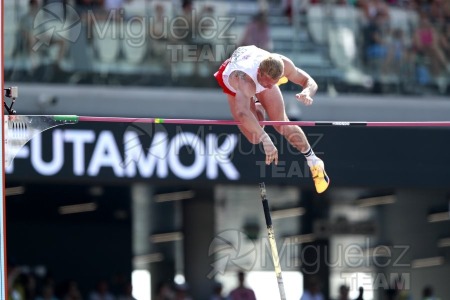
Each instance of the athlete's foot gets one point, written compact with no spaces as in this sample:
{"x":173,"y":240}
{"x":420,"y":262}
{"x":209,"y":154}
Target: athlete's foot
{"x":320,"y":177}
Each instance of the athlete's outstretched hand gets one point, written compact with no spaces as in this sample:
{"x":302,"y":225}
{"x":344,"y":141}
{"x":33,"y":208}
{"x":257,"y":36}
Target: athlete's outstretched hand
{"x":269,"y":149}
{"x":304,"y":97}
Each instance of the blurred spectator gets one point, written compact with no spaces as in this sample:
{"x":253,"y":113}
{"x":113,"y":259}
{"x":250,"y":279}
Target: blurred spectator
{"x":302,"y":5}
{"x":118,"y":283}
{"x":312,"y":290}
{"x":437,"y":14}
{"x":47,"y":293}
{"x":427,"y":44}
{"x":217,"y":292}
{"x":114,"y":4}
{"x":164,"y":291}
{"x":28,"y":36}
{"x":361,"y":294}
{"x":30,"y":284}
{"x":101,"y":292}
{"x":127,"y":293}
{"x":375,"y":44}
{"x":343,"y":292}
{"x":390,"y":294}
{"x":16,"y":288}
{"x":403,"y":293}
{"x":423,"y":6}
{"x":257,"y":33}
{"x":242,"y":292}
{"x":346,"y":2}
{"x":374,"y":9}
{"x":286,"y":6}
{"x":72,"y":291}
{"x":83,"y":6}
{"x":41,"y":38}
{"x":196,"y":31}
{"x":445,"y":40}
{"x":446,"y":9}
{"x":207,"y":38}
{"x":183,"y":31}
{"x":398,"y":290}
{"x":26,"y":25}
{"x":182,"y":292}
{"x":158,"y":33}
{"x":397,"y":56}
{"x":159,"y":20}
{"x":90,"y":11}
{"x":428,"y":293}
{"x":263,"y":5}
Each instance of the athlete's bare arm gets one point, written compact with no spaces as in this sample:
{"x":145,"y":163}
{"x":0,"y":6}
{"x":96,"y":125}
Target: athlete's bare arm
{"x":245,"y":90}
{"x":300,"y":77}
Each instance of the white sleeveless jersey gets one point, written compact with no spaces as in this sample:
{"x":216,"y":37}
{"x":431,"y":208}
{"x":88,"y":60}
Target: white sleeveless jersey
{"x":247,"y":60}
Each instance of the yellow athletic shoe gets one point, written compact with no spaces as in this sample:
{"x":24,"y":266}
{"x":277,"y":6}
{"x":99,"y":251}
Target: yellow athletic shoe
{"x":320,"y":177}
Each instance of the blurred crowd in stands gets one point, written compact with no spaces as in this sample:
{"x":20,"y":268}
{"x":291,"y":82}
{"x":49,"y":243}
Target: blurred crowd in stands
{"x":37,"y":284}
{"x":421,"y":52}
{"x":313,"y":291}
{"x":399,"y":40}
{"x":157,"y":42}
{"x":25,"y":283}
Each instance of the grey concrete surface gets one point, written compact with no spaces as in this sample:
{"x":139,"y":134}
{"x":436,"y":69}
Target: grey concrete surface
{"x":212,"y":104}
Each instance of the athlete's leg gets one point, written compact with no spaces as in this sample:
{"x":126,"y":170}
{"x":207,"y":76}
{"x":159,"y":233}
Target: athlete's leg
{"x":273,"y":103}
{"x":256,"y":111}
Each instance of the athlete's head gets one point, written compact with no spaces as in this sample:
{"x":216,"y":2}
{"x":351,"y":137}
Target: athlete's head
{"x":270,"y":71}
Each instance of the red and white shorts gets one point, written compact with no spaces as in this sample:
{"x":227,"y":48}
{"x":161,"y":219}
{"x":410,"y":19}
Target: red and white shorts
{"x":219,"y":78}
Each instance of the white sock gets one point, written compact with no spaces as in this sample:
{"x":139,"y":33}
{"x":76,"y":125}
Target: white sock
{"x":311,"y":158}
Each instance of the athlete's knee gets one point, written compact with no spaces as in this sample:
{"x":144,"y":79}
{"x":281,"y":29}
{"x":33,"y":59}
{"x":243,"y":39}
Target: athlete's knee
{"x":282,"y":129}
{"x":293,"y":133}
{"x":286,"y":130}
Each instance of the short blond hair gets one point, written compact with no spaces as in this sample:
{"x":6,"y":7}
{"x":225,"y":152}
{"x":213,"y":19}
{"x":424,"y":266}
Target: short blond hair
{"x":273,"y":66}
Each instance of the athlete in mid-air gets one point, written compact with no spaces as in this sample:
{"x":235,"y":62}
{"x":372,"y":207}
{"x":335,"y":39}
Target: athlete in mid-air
{"x":249,"y":78}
